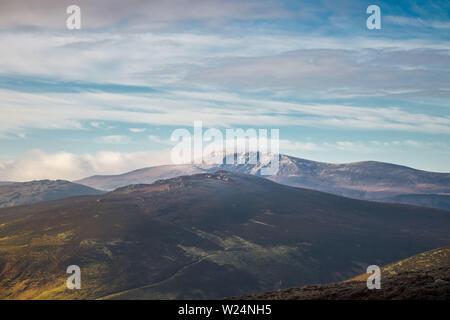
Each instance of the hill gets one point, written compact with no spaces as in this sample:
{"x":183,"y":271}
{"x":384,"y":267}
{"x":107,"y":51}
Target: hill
{"x":209,"y":235}
{"x":145,"y":175}
{"x":423,"y":200}
{"x":422,"y":277}
{"x":22,"y":193}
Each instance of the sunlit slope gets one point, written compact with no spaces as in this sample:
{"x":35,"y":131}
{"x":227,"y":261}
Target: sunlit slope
{"x":421,"y":277}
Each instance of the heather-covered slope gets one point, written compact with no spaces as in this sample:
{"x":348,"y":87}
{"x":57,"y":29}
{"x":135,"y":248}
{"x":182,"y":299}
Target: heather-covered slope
{"x":209,"y":235}
{"x":421,"y":277}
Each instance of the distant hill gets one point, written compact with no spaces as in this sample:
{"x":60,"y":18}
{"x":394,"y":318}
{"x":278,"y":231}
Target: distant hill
{"x":422,"y":277}
{"x":425,"y":200}
{"x":22,"y":193}
{"x":210,"y":235}
{"x":145,"y":175}
{"x":369,"y":180}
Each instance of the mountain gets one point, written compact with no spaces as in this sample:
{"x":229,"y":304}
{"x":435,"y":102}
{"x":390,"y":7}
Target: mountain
{"x":208,"y":235}
{"x":424,"y":276}
{"x":145,"y":175}
{"x":369,"y":180}
{"x":22,"y":193}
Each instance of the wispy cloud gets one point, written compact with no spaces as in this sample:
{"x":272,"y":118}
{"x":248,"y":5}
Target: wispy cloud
{"x":418,"y":22}
{"x":101,"y":125}
{"x":137,"y":130}
{"x":134,"y":14}
{"x":158,"y":140}
{"x":62,"y":111}
{"x":114,"y":139}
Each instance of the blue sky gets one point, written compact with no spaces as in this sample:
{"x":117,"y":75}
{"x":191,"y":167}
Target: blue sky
{"x":105,"y":99}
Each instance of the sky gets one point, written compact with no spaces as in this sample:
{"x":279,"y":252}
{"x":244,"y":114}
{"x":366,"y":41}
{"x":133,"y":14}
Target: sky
{"x":105,"y":99}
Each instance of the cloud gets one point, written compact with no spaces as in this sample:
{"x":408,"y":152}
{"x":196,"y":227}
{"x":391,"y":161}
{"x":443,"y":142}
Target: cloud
{"x":336,"y":73}
{"x":228,"y":63}
{"x":97,"y":124}
{"x":350,"y":146}
{"x":114,"y":139}
{"x":412,"y":144}
{"x":137,"y":130}
{"x":215,"y":109}
{"x":37,"y":164}
{"x":278,"y":59}
{"x":373,"y":146}
{"x":417,"y":22}
{"x":134,"y":14}
{"x":289,"y":146}
{"x":158,"y":140}
{"x":100,"y":125}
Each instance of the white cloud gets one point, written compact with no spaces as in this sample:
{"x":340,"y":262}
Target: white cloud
{"x":216,"y":109}
{"x":114,"y":139}
{"x":412,"y":144}
{"x":417,"y":22}
{"x":97,"y":124}
{"x":137,"y":130}
{"x":289,"y":145}
{"x":158,"y":140}
{"x":37,"y":164}
{"x":101,"y":125}
{"x":334,"y":73}
{"x":199,"y":59}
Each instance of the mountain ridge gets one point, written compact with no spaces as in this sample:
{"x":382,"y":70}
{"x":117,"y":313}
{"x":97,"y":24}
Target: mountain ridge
{"x":24,"y":193}
{"x":366,"y":180}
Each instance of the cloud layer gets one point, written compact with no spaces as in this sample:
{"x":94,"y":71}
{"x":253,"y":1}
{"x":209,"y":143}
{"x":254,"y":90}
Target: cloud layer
{"x":182,"y":108}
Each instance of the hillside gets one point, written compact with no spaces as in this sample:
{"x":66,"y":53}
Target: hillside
{"x":423,"y":200}
{"x":208,"y":235}
{"x":22,"y":193}
{"x":422,"y":277}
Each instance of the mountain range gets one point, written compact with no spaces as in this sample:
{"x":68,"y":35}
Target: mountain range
{"x":368,"y":180}
{"x":209,"y":235}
